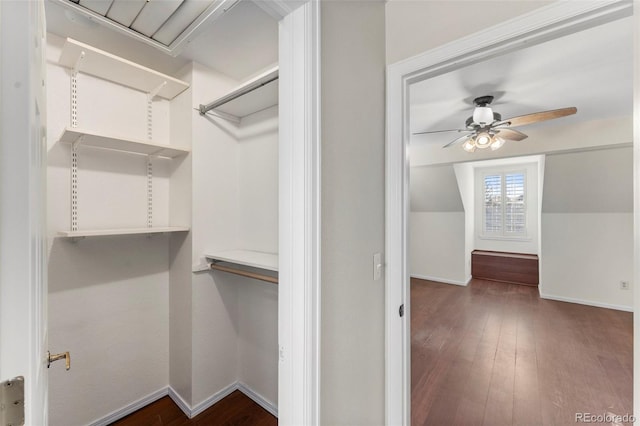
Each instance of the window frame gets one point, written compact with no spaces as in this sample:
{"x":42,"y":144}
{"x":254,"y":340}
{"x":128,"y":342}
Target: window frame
{"x":502,"y":235}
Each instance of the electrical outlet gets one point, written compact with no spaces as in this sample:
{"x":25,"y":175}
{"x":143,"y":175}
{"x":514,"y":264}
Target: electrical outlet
{"x":624,"y":285}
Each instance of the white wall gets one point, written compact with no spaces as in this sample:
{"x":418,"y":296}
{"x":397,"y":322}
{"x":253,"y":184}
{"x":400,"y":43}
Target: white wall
{"x":235,"y":205}
{"x":465,"y":177}
{"x":587,"y":227}
{"x":258,"y":181}
{"x":413,"y":27}
{"x":585,"y":256}
{"x":352,"y":351}
{"x":436,"y":225}
{"x":214,"y":298}
{"x":437,"y":246}
{"x":108,"y":297}
{"x":258,"y":217}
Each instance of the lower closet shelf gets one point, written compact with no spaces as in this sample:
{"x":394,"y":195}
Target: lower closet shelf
{"x":121,"y":231}
{"x":237,"y":261}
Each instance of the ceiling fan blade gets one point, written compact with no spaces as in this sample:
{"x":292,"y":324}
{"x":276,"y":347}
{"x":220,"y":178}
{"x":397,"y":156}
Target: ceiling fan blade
{"x":442,"y":131}
{"x":511,"y":134}
{"x":536,"y":117}
{"x":460,"y":139}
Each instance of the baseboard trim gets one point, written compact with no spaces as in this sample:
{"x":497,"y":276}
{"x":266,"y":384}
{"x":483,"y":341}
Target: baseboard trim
{"x":441,"y":280}
{"x":586,"y":302}
{"x":199,"y":408}
{"x":177,"y":399}
{"x":186,"y":409}
{"x":130,"y":408}
{"x":258,"y":399}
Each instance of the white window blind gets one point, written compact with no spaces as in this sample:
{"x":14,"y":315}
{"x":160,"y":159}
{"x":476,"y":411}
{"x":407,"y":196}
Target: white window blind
{"x":504,"y":204}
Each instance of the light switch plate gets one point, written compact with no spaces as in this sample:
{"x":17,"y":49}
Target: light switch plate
{"x":377,"y":266}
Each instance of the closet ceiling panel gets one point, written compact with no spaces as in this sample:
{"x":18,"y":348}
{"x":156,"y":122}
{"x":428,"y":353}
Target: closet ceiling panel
{"x":125,"y":11}
{"x":98,"y":6}
{"x":214,"y":33}
{"x":181,"y":19}
{"x":153,"y":16}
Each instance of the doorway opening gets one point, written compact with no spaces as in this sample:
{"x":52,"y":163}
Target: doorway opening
{"x":555,"y":23}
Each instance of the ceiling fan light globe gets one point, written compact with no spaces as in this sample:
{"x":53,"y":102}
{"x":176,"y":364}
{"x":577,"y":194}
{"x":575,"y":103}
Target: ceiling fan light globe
{"x":469,"y":145}
{"x":483,"y":140}
{"x":497,"y":143}
{"x":482,"y":115}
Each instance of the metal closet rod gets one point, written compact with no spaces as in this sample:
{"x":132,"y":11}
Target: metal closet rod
{"x":231,"y":96}
{"x":242,"y":272}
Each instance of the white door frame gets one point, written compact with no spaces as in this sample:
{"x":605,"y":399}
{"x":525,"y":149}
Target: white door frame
{"x":552,"y":21}
{"x":23,"y":255}
{"x":299,"y":218}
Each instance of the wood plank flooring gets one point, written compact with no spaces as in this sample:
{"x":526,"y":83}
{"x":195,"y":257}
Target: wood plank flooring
{"x":237,"y":409}
{"x":496,"y":354}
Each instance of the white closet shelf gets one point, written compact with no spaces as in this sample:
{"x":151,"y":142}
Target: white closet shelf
{"x":255,"y":259}
{"x":113,"y":68}
{"x":121,"y":231}
{"x":252,"y":96}
{"x":116,"y":143}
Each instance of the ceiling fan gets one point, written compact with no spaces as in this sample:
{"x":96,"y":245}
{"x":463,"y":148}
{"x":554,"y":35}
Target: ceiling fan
{"x":486,"y":128}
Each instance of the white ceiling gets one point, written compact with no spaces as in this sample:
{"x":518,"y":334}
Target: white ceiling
{"x":591,"y":70}
{"x":240,"y":43}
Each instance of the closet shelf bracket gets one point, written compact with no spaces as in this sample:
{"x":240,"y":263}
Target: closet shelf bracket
{"x":152,"y":94}
{"x":76,"y":66}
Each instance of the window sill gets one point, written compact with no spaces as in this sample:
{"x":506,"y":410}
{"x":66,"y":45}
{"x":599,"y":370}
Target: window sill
{"x":505,"y":238}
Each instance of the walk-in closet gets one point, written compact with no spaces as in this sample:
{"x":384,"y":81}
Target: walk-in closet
{"x":163,"y":216}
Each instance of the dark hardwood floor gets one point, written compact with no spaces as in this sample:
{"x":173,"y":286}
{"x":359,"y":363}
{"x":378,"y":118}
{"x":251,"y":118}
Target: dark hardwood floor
{"x":496,"y":354}
{"x":234,"y":410}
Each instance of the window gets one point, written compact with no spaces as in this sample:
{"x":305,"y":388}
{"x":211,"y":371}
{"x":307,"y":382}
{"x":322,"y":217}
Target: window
{"x":504,"y":209}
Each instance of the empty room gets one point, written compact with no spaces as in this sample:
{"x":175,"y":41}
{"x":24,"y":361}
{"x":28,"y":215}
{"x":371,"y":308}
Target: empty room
{"x":521,"y":235}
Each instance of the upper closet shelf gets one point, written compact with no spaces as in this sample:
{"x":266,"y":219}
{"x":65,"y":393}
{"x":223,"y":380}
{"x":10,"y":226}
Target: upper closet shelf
{"x":137,"y":146}
{"x":255,"y":95}
{"x":122,"y":231}
{"x":87,"y":59}
{"x":255,"y":259}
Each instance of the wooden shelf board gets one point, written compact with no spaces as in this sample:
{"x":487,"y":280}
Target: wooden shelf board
{"x":254,"y":101}
{"x":110,"y":67}
{"x":256,"y":259}
{"x":121,"y":231}
{"x":137,"y":146}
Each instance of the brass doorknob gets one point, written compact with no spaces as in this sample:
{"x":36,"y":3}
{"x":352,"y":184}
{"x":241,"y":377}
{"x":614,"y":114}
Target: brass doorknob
{"x":65,"y":355}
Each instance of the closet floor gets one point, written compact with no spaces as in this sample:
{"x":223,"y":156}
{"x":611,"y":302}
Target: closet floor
{"x":237,"y":409}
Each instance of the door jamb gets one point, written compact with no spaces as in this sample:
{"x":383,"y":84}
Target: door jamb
{"x":299,"y":222}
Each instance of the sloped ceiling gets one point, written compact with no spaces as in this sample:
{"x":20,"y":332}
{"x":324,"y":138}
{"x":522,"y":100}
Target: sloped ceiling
{"x":591,"y":69}
{"x":589,"y":182}
{"x":434,"y":189}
